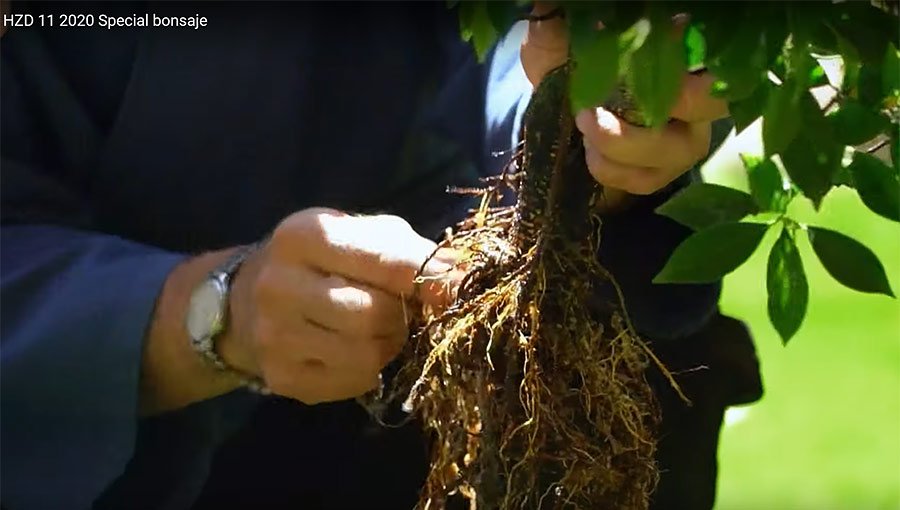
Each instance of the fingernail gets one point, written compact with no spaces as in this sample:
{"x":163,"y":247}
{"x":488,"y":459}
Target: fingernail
{"x":435,"y":266}
{"x":448,"y":255}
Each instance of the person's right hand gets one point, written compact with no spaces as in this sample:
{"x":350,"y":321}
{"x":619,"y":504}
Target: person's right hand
{"x":319,"y":310}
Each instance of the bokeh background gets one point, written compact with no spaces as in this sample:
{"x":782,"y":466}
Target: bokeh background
{"x":826,"y":435}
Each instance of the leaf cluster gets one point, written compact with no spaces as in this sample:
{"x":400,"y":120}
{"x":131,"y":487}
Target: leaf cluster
{"x":768,"y":60}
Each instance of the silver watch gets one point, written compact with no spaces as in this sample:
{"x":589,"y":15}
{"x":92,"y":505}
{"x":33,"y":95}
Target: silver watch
{"x":207,"y":316}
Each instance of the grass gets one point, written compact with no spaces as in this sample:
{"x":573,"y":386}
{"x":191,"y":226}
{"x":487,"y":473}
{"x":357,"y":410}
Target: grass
{"x":826,"y":435}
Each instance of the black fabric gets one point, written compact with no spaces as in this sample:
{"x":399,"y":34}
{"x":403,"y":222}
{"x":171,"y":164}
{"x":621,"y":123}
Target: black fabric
{"x":715,"y":368}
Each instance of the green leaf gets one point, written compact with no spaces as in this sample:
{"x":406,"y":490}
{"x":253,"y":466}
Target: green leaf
{"x":710,"y":254}
{"x":849,"y":262}
{"x":813,"y":156}
{"x":851,"y":62}
{"x":797,"y":59}
{"x":822,"y":39}
{"x":781,"y":117}
{"x":869,"y":86}
{"x":632,"y":38}
{"x":703,"y":205}
{"x":787,"y":287}
{"x":842,"y":178}
{"x":817,"y":76}
{"x":776,"y":32}
{"x":741,"y":65}
{"x":745,"y":111}
{"x":854,"y":123}
{"x":877,"y":185}
{"x":596,"y":55}
{"x":811,"y":166}
{"x":868,"y":28}
{"x":890,"y":72}
{"x":502,"y":13}
{"x":713,"y":22}
{"x":476,"y":26}
{"x":766,"y":184}
{"x":694,"y":48}
{"x":656,"y":69}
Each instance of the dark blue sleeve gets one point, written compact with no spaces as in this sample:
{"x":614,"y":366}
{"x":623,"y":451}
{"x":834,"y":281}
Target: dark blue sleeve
{"x":76,"y":305}
{"x":75,"y":308}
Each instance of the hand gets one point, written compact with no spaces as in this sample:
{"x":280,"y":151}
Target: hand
{"x":319,"y":311}
{"x":623,"y":157}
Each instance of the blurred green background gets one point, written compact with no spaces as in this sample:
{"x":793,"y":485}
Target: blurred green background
{"x":826,"y":435}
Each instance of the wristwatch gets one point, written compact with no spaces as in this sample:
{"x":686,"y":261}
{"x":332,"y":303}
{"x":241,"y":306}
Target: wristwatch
{"x":207,"y":316}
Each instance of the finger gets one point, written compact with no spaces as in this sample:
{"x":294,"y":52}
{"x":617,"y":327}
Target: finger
{"x":381,"y":251}
{"x":302,"y":341}
{"x":298,"y":293}
{"x":695,"y":102}
{"x":546,"y":44}
{"x":438,"y":283}
{"x":633,"y":179}
{"x":676,"y":145}
{"x":355,"y":308}
{"x":314,"y":383}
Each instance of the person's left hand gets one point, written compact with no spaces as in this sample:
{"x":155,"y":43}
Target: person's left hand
{"x":623,"y":157}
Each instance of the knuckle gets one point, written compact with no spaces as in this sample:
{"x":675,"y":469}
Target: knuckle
{"x":394,"y":222}
{"x":305,"y":226}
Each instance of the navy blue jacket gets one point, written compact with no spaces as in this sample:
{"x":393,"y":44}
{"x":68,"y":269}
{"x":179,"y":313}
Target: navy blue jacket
{"x":125,"y":151}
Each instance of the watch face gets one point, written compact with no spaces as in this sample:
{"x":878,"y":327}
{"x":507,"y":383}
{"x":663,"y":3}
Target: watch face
{"x":206,"y":309}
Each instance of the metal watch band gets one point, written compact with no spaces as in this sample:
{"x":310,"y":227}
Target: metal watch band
{"x":206,"y":346}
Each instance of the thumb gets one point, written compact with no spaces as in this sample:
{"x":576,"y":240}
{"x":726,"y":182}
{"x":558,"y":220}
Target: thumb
{"x":546,"y":44}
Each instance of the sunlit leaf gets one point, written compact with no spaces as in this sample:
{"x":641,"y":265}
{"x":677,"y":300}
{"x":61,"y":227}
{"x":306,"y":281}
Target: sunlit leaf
{"x":786,"y":286}
{"x":695,"y":48}
{"x":766,"y":184}
{"x":656,"y":69}
{"x":710,"y":254}
{"x":817,"y":76}
{"x":596,"y":56}
{"x":703,"y":205}
{"x":848,"y":261}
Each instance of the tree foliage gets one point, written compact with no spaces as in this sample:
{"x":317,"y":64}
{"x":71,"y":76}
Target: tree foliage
{"x":767,"y":59}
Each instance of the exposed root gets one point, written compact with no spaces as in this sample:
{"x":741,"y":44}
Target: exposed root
{"x":533,"y":390}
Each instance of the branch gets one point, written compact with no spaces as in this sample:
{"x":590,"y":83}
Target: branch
{"x":880,"y":144}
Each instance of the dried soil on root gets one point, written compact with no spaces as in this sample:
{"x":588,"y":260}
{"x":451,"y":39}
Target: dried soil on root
{"x":533,"y":389}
